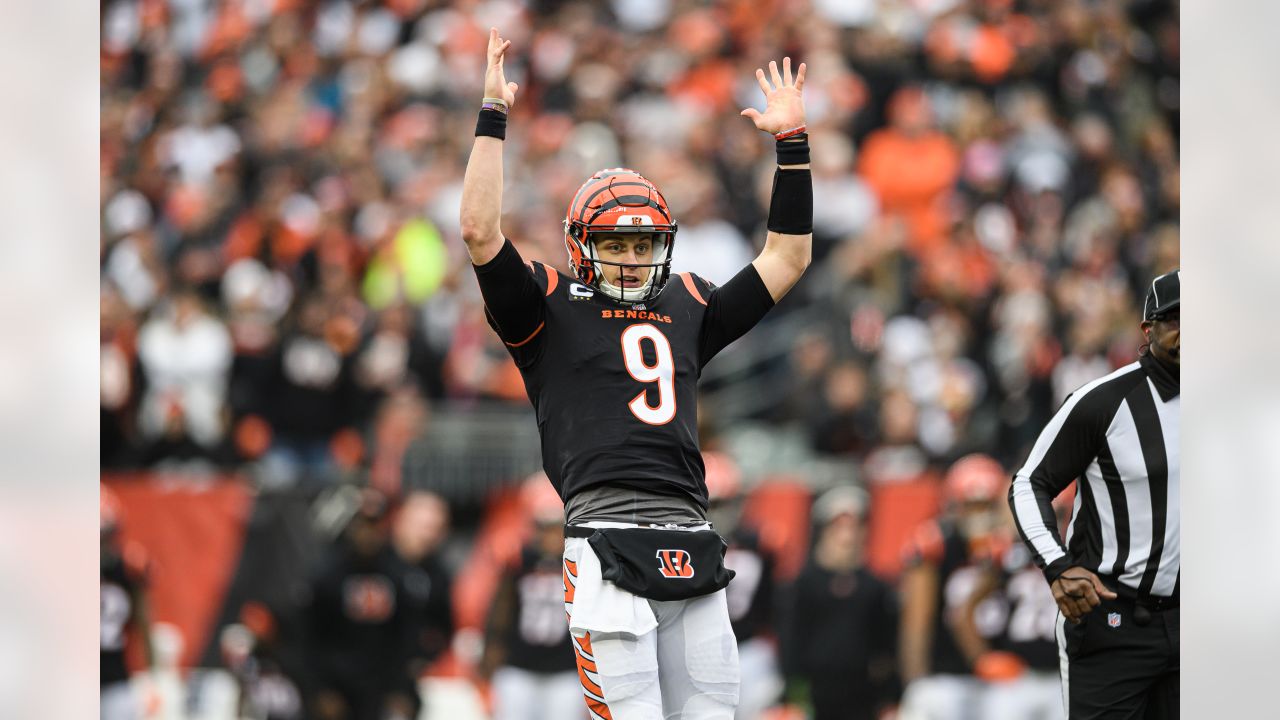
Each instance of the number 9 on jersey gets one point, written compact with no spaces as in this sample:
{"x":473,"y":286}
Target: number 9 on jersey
{"x":661,"y":372}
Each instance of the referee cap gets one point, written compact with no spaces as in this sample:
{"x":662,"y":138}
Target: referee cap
{"x":1162,"y":296}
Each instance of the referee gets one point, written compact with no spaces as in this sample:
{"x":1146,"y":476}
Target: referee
{"x":1116,"y":578}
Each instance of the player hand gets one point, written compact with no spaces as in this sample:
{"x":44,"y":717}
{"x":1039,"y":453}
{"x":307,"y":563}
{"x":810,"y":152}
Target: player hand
{"x":495,"y":80}
{"x":1078,"y":591}
{"x":785,"y":109}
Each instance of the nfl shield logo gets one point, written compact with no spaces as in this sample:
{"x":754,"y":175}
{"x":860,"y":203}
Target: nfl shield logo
{"x":1113,"y":619}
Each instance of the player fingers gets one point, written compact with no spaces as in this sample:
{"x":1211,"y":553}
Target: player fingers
{"x":786,"y":70}
{"x":1102,"y":589}
{"x":1067,"y":609}
{"x":1078,"y":608}
{"x":1088,"y":595}
{"x":800,"y":77}
{"x":764,"y":84}
{"x":773,"y":73}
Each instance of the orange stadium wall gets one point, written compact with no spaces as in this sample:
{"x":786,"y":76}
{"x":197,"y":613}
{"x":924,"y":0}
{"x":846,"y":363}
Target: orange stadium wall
{"x":192,"y":532}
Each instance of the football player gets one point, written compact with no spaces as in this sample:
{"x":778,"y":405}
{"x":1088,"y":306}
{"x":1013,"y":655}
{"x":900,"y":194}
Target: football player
{"x":610,"y":356}
{"x":946,"y":561}
{"x":1020,"y":662}
{"x":527,"y":651}
{"x":125,"y":617}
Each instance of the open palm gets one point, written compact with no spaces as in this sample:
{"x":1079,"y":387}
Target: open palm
{"x":785,"y":107}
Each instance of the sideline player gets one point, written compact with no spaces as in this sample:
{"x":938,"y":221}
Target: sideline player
{"x":610,"y":357}
{"x":945,"y":564}
{"x":1020,"y":662}
{"x":527,"y":652}
{"x":125,"y":616}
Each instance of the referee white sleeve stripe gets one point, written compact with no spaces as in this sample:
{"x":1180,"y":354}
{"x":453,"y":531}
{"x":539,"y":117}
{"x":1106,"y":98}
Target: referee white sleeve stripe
{"x":1025,"y":509}
{"x":1106,"y":519}
{"x":1027,"y":512}
{"x":1122,"y":438}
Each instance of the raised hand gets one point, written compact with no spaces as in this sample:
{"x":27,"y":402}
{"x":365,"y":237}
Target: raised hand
{"x":495,"y":80}
{"x":785,"y":108}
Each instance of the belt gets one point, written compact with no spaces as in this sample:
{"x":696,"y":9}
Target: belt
{"x":1153,"y":603}
{"x":1145,"y":605}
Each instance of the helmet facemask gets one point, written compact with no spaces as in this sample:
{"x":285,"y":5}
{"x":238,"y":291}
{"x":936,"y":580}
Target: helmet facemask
{"x":619,"y":201}
{"x":659,"y":269}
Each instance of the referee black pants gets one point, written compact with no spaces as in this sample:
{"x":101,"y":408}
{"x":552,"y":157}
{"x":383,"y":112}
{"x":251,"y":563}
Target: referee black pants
{"x":1116,"y":666}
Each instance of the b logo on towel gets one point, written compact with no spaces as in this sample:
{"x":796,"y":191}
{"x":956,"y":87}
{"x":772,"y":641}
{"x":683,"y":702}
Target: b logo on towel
{"x":674,"y":564}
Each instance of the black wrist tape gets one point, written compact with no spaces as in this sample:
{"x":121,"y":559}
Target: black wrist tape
{"x":492,"y":123}
{"x":794,"y":150}
{"x":791,"y":209}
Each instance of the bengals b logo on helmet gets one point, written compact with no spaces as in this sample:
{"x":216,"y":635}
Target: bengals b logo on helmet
{"x":675,"y":564}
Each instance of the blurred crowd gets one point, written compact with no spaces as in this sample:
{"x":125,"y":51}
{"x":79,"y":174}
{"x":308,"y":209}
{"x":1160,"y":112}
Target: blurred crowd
{"x":282,"y":277}
{"x":283,"y":282}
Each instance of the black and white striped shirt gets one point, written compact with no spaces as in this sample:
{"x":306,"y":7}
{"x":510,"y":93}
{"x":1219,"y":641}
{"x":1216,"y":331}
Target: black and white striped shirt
{"x":1119,"y":436}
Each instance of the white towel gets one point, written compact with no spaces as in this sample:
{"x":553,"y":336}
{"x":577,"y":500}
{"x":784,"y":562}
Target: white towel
{"x":602,"y":607}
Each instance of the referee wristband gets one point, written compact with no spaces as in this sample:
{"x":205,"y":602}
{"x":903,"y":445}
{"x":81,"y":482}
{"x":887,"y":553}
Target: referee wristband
{"x":791,"y":207}
{"x":794,"y":150}
{"x":492,"y":123}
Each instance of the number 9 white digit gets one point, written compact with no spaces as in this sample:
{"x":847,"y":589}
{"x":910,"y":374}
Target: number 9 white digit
{"x":661,"y":372}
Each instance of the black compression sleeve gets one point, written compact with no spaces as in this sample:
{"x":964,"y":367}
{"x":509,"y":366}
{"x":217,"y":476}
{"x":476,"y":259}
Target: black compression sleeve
{"x":732,"y":310}
{"x":791,"y":208}
{"x":512,"y":296}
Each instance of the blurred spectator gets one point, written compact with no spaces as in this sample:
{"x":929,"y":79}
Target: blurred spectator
{"x":310,"y":394}
{"x":185,"y":354}
{"x":419,"y":528}
{"x":120,"y":380}
{"x":528,"y":655}
{"x":362,"y":625}
{"x":402,"y":418}
{"x":911,"y":166}
{"x":845,"y":424}
{"x":945,"y":562}
{"x":839,"y":633}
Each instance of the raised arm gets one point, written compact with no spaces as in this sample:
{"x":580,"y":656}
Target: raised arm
{"x":789,"y":245}
{"x":482,"y":185}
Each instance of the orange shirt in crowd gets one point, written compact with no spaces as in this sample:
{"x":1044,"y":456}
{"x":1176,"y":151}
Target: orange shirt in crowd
{"x":912,"y":176}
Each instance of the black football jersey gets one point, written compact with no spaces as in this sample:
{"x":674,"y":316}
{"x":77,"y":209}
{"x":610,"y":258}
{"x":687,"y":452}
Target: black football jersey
{"x":959,"y":573}
{"x":1032,"y":612}
{"x":614,"y":385}
{"x":538,"y":640}
{"x":117,"y":590}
